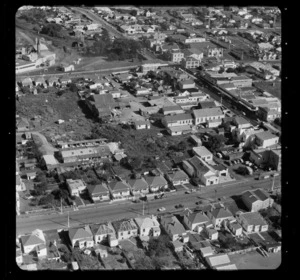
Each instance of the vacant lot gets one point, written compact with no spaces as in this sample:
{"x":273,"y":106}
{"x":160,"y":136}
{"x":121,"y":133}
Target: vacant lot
{"x":50,"y":108}
{"x":254,"y":260}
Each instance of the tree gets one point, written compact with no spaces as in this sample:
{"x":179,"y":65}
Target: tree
{"x":144,"y":263}
{"x":216,"y":142}
{"x":47,"y":200}
{"x":242,"y":170}
{"x":158,"y":246}
{"x":135,"y":162}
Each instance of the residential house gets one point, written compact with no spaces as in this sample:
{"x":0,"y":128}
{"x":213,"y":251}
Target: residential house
{"x":266,"y":139}
{"x":197,"y":167}
{"x":27,"y":82}
{"x":156,"y":183}
{"x":203,"y":115}
{"x":75,"y":187}
{"x":256,"y":200}
{"x":177,"y":120}
{"x":203,"y":153}
{"x":179,"y":130}
{"x":172,"y":110}
{"x":186,"y":84}
{"x":40,"y":81}
{"x":206,"y":251}
{"x":147,"y":226}
{"x":266,"y":158}
{"x":101,"y":105}
{"x":53,"y":81}
{"x":177,"y":245}
{"x":174,"y":228}
{"x":138,"y":186}
{"x":219,"y":215}
{"x":98,"y":192}
{"x":196,"y":221}
{"x":81,"y":237}
{"x":207,"y":104}
{"x":115,"y":93}
{"x":101,"y":232}
{"x":119,"y":189}
{"x":125,"y":228}
{"x":22,"y":125}
{"x":31,"y":241}
{"x":211,"y":233}
{"x":240,"y":122}
{"x":142,"y":124}
{"x":235,"y":228}
{"x":176,"y":56}
{"x":177,"y":177}
{"x":41,"y":251}
{"x":252,"y":222}
{"x":169,"y":47}
{"x":64,"y":80}
{"x":195,"y":140}
{"x":141,"y":91}
{"x":190,"y":62}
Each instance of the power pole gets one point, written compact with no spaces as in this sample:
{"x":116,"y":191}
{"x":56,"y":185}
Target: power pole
{"x":143,"y":207}
{"x":68,"y":220}
{"x":61,"y":206}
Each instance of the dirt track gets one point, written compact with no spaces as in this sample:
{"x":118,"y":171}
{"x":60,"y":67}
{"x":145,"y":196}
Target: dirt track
{"x":45,"y":147}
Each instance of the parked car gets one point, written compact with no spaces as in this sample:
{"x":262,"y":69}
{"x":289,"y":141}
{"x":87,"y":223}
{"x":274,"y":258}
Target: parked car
{"x":179,"y":206}
{"x":161,"y":209}
{"x":187,"y":192}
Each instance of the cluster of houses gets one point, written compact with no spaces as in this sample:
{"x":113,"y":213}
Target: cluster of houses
{"x":194,"y":230}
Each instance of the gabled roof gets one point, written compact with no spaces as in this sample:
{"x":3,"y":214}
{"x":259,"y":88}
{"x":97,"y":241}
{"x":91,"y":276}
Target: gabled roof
{"x":218,"y":260}
{"x":31,"y":239}
{"x":178,"y":175}
{"x":187,"y":82}
{"x":103,"y":100}
{"x":138,"y":184}
{"x":198,"y":164}
{"x":154,"y":181}
{"x":265,"y":135}
{"x":174,"y":225}
{"x":105,"y":228}
{"x":97,"y":189}
{"x":117,"y":186}
{"x":146,"y":222}
{"x":220,"y":213}
{"x":124,"y":225}
{"x":208,"y":112}
{"x":178,"y":117}
{"x":197,"y":218}
{"x":80,"y":233}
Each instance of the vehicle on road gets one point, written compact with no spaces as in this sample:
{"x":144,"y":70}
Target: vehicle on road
{"x":179,"y":206}
{"x":187,"y":192}
{"x":161,"y":209}
{"x":198,"y":202}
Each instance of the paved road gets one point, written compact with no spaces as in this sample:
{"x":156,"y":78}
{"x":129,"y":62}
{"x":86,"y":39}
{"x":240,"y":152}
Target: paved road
{"x":130,"y":210}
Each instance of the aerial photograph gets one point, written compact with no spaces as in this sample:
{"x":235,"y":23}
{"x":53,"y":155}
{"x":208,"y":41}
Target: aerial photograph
{"x":148,"y":138}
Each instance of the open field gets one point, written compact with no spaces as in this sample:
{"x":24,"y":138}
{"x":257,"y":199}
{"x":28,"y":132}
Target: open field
{"x":254,"y":260}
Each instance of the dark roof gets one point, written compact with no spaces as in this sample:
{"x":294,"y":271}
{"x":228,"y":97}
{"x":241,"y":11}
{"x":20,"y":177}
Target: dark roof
{"x":197,"y":217}
{"x":138,"y":184}
{"x":207,"y":104}
{"x":118,"y":186}
{"x":80,"y":233}
{"x":261,"y":194}
{"x":124,"y":225}
{"x":32,"y":239}
{"x":221,"y":213}
{"x":97,"y":189}
{"x":198,"y":165}
{"x":103,"y":100}
{"x":178,"y":117}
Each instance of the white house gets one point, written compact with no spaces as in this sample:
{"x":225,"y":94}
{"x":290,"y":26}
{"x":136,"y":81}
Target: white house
{"x":75,"y":187}
{"x":203,"y":153}
{"x":207,"y":114}
{"x":195,"y":221}
{"x":142,"y":124}
{"x":148,"y":226}
{"x":30,"y":242}
{"x":252,"y":222}
{"x":266,"y":139}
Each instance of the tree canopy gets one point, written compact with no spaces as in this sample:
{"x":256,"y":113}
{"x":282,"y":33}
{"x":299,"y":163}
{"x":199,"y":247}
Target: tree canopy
{"x":216,"y":142}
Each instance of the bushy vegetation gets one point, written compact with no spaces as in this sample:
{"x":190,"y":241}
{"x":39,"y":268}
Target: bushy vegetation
{"x":52,"y":29}
{"x":36,"y":15}
{"x":119,"y":49}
